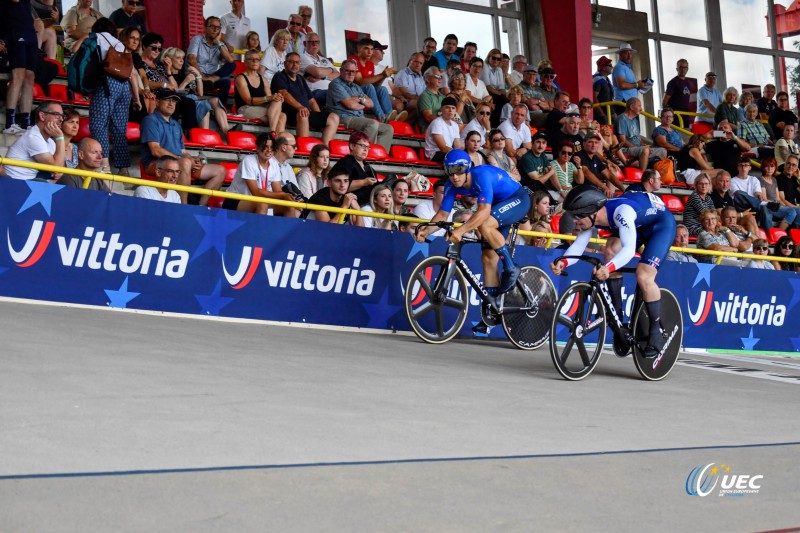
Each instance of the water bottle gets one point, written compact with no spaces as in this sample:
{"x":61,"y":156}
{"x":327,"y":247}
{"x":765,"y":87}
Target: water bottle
{"x":203,"y":158}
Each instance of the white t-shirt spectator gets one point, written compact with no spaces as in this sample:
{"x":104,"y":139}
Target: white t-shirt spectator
{"x":439,"y":126}
{"x":518,"y":136}
{"x":272,"y":62}
{"x":235,"y":29}
{"x":478,"y":90}
{"x":425,"y":211}
{"x":751,"y":185}
{"x":152,"y":193}
{"x":307,"y":60}
{"x":249,"y":170}
{"x":280,"y":172}
{"x":30,"y":144}
{"x":474,"y":125}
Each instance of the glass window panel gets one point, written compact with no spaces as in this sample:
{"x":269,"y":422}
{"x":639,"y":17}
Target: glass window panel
{"x":753,"y":69}
{"x":745,"y":22}
{"x":475,"y":27}
{"x":697,"y":57}
{"x":257,"y":12}
{"x":621,"y":4}
{"x":657,"y":87}
{"x":791,"y":67}
{"x":686,"y":18}
{"x":645,"y":7}
{"x":484,"y":3}
{"x":373,"y":18}
{"x":510,"y":36}
{"x":508,"y":5}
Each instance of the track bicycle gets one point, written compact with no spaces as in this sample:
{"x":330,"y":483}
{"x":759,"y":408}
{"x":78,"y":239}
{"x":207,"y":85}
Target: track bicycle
{"x":437,"y":299}
{"x":584,"y":309}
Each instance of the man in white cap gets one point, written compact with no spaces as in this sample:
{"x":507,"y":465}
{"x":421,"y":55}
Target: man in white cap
{"x":624,"y":80}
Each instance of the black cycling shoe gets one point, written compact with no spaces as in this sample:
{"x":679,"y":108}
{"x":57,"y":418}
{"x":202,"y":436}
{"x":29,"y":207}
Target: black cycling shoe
{"x":481,"y":329}
{"x":654,"y":346}
{"x":509,"y":279}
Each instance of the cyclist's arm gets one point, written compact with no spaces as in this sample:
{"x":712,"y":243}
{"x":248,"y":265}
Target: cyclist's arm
{"x":624,"y":217}
{"x":577,"y":247}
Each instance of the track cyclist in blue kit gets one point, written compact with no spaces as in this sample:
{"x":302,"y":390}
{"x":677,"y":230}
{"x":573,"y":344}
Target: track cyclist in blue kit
{"x":637,"y":217}
{"x":501,"y":202}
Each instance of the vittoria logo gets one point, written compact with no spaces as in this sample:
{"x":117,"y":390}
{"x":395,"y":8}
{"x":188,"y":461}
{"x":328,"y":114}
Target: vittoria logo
{"x":737,"y":310}
{"x":35,"y":246}
{"x":248,"y":265}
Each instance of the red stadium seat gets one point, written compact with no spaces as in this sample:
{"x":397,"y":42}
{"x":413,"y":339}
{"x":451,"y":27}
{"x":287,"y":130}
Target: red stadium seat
{"x":215,"y":201}
{"x":339,"y":148}
{"x":701,"y":128}
{"x":83,"y":129}
{"x":205,"y":137}
{"x":632,"y":175}
{"x":133,"y":133}
{"x":305,"y":144}
{"x":230,"y":170}
{"x":795,"y":235}
{"x":773,"y":234}
{"x":61,"y":71}
{"x":672,"y":202}
{"x":377,"y":153}
{"x":762,"y":234}
{"x":58,"y":92}
{"x":555,"y":220}
{"x":242,"y":139}
{"x":403,"y":154}
{"x":190,"y":144}
{"x":80,"y":100}
{"x":423,"y":159}
{"x":404,"y":129}
{"x":38,"y":92}
{"x":238,"y":68}
{"x":143,"y":174}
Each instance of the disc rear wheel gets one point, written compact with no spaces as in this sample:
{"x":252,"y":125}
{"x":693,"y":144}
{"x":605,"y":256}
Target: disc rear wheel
{"x":530,"y":328}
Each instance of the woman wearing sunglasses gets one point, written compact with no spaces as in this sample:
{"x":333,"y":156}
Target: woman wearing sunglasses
{"x":567,"y":173}
{"x":785,"y":247}
{"x":761,"y":247}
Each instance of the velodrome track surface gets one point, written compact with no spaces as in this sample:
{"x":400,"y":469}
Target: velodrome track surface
{"x":118,"y":421}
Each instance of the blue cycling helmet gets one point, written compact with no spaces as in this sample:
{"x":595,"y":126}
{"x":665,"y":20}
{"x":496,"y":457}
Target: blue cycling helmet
{"x":457,"y":162}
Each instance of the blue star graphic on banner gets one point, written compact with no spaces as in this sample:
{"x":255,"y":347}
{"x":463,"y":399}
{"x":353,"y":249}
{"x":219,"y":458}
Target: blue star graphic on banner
{"x":750,"y":342}
{"x":421,"y":248}
{"x":216,"y":228}
{"x":41,"y":193}
{"x":121,"y":297}
{"x":380,"y":312}
{"x":795,"y":283}
{"x":703,"y":273}
{"x":795,"y":343}
{"x":214,"y":302}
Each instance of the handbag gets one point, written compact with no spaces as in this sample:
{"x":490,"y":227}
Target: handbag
{"x":118,"y":64}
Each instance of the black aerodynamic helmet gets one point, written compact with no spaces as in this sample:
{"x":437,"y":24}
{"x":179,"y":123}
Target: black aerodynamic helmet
{"x":584,"y":200}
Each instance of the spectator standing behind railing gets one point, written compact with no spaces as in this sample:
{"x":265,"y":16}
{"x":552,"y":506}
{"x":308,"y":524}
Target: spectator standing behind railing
{"x":602,"y":91}
{"x":23,"y":53}
{"x":623,"y":79}
{"x":235,"y":26}
{"x":761,"y":247}
{"x":678,"y":93}
{"x":90,"y":157}
{"x":708,"y":98}
{"x":42,"y":143}
{"x":168,"y":169}
{"x":128,"y":17}
{"x":681,"y":241}
{"x":252,"y":179}
{"x":208,"y":54}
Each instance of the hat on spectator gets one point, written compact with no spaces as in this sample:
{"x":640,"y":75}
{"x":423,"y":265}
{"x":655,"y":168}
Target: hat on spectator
{"x":547,"y":70}
{"x":378,"y":46}
{"x":710,"y":74}
{"x":529,"y":68}
{"x":603,"y":62}
{"x":449,"y":101}
{"x":538,"y":135}
{"x":626,"y":47}
{"x":591,"y":135}
{"x":167,"y":94}
{"x":572,"y":110}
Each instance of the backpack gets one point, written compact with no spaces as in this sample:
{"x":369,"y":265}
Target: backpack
{"x":85,"y":72}
{"x":666,"y":167}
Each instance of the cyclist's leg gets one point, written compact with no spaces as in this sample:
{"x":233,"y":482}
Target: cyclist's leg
{"x":495,"y":231}
{"x":491,"y":281}
{"x":660,"y":237}
{"x":614,"y":282}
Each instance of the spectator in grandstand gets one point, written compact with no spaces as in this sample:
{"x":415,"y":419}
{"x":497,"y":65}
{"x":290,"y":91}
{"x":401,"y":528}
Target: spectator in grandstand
{"x":715,"y":236}
{"x":708,"y":98}
{"x":624,"y":81}
{"x":42,"y":143}
{"x":368,"y":79}
{"x":781,"y":115}
{"x":754,"y":133}
{"x":630,"y":138}
{"x":465,"y":109}
{"x":681,"y":241}
{"x":773,"y":195}
{"x":785,"y":248}
{"x":541,"y":227}
{"x":428,"y":50}
{"x":280,"y":173}
{"x":305,"y":13}
{"x":252,"y":179}
{"x":611,"y":147}
{"x":407,"y":227}
{"x":195,"y":108}
{"x":786,"y":145}
{"x":296,"y":37}
{"x":477,"y":89}
{"x":699,"y":201}
{"x":469,"y":51}
{"x":760,"y":247}
{"x":514,"y":99}
{"x":546,"y":92}
{"x":168,"y":169}
{"x":497,"y":150}
{"x":431,"y":99}
{"x":570,"y":131}
{"x":746,"y":191}
{"x":90,"y":157}
{"x":472,"y":145}
{"x":726,"y":110}
{"x":721,"y":198}
{"x":301,"y":109}
{"x":312,"y":177}
{"x":518,"y":64}
{"x":567,"y":173}
{"x":254,"y":97}
{"x":679,"y":91}
{"x":378,"y":55}
{"x":495,"y":81}
{"x":725,"y":151}
{"x":152,"y":73}
{"x":557,"y":115}
{"x":128,"y":17}
{"x":316,"y":68}
{"x":335,"y":195}
{"x":594,"y":170}
{"x":447,"y":52}
{"x":161,"y":135}
{"x":788,"y":180}
{"x":409,"y":83}
{"x":517,"y":133}
{"x":540,"y":208}
{"x":692,"y":159}
{"x":70,"y":127}
{"x":453,"y":66}
{"x":348,"y":100}
{"x":400,"y":197}
{"x":77,"y":24}
{"x":380,"y":201}
{"x":534,"y":167}
{"x":730,"y":219}
{"x":528,"y":86}
{"x":767,"y":103}
{"x":45,"y":15}
{"x":252,"y":41}
{"x":480,"y":124}
{"x":275,"y":54}
{"x":235,"y":27}
{"x":602,"y":90}
{"x":442,"y":135}
{"x":664,"y":136}
{"x":132,"y":39}
{"x":745,"y":100}
{"x":426,"y":209}
{"x":208,"y":54}
{"x":22,"y":48}
{"x":362,"y":176}
{"x":588,"y":123}
{"x":651,"y":182}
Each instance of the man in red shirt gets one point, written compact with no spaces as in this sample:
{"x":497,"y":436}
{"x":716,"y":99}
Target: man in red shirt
{"x":370,"y":82}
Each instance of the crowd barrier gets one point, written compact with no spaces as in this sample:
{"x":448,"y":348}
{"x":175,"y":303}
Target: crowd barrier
{"x":88,"y":247}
